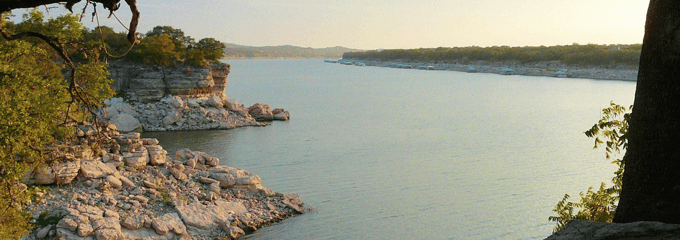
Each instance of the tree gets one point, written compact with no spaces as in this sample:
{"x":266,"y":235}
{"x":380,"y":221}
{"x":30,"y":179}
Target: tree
{"x":158,"y":50}
{"x":212,"y":48}
{"x":181,"y":41}
{"x":600,"y":205}
{"x":44,"y":95}
{"x":651,"y":183}
{"x":111,"y":5}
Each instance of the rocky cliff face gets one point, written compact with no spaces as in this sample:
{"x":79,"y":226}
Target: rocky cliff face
{"x":178,"y":98}
{"x":147,"y":84}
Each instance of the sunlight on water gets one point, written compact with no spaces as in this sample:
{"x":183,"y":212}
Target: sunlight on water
{"x":385,"y":153}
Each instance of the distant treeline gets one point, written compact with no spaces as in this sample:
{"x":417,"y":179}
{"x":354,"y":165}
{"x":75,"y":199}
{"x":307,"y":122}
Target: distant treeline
{"x":286,"y":51}
{"x":575,"y":54}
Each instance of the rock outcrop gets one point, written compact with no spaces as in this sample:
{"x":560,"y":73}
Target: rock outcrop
{"x":147,"y":84}
{"x":130,"y":189}
{"x":576,"y":230}
{"x":173,"y":113}
{"x":178,"y":98}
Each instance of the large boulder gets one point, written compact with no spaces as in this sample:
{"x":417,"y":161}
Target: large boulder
{"x":215,"y":101}
{"x":60,"y":173}
{"x":156,"y":154}
{"x":115,"y":106}
{"x":261,"y":112}
{"x":204,"y":218}
{"x":281,"y":115}
{"x":126,"y":123}
{"x":174,"y":101}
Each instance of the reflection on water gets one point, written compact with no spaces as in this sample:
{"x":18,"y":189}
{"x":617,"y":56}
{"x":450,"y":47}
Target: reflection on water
{"x":387,"y":153}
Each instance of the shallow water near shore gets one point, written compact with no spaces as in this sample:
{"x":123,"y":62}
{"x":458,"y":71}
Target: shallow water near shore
{"x":384,"y":153}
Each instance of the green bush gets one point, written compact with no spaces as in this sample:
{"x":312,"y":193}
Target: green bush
{"x":600,"y":205}
{"x":158,"y":50}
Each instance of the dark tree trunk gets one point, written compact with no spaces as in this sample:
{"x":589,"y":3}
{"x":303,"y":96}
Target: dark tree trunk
{"x":651,"y":181}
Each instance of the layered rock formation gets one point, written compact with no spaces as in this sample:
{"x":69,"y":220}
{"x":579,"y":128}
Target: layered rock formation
{"x":178,"y":98}
{"x":130,"y":189}
{"x":147,"y":84}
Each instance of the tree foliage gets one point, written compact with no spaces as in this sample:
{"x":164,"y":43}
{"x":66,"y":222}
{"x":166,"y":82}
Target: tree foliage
{"x":167,"y":46}
{"x":158,"y":50}
{"x":41,"y":102}
{"x":212,"y":48}
{"x":612,"y":131}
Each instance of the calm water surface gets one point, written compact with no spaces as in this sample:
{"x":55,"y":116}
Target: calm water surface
{"x":385,"y":153}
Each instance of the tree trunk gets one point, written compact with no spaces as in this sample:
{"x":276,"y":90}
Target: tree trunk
{"x":651,"y":181}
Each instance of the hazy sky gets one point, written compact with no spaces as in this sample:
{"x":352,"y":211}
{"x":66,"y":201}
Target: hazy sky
{"x":373,"y":24}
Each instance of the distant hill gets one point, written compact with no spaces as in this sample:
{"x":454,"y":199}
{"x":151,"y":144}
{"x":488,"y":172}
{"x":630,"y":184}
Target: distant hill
{"x":285,"y":51}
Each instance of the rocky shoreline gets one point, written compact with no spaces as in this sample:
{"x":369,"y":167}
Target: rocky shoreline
{"x":130,"y":189}
{"x":172,"y":113}
{"x":545,"y":68}
{"x":109,"y":183}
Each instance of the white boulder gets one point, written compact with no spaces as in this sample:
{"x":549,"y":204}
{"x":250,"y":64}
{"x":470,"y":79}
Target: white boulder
{"x":126,"y":123}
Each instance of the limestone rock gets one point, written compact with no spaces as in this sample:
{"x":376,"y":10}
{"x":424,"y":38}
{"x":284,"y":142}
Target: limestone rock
{"x":44,"y":175}
{"x":174,"y":101}
{"x":261,"y":112}
{"x":207,"y":216}
{"x":281,"y":115}
{"x":114,"y":182}
{"x":111,"y":234}
{"x":84,"y":229}
{"x":132,"y":223}
{"x":212,"y":161}
{"x":149,"y":141}
{"x":577,"y":230}
{"x":68,"y":223}
{"x":171,"y":118}
{"x":60,"y":173}
{"x":169,"y":222}
{"x":220,"y":71}
{"x":137,"y":160}
{"x":237,"y":178}
{"x":215,"y":101}
{"x":126,"y":123}
{"x":43,"y":231}
{"x":94,"y":169}
{"x":233,"y":232}
{"x":126,"y":182}
{"x":116,"y":106}
{"x":156,"y":154}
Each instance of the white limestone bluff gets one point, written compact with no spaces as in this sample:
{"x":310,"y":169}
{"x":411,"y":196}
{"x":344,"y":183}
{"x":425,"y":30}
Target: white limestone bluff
{"x":175,"y":98}
{"x":129,"y":188}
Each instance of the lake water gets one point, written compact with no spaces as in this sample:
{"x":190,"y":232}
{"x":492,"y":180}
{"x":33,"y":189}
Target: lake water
{"x":384,"y":153}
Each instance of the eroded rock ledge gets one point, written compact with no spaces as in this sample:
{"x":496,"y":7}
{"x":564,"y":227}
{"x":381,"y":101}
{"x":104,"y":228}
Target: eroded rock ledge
{"x":131,"y":189}
{"x":589,"y":230}
{"x":181,"y":97}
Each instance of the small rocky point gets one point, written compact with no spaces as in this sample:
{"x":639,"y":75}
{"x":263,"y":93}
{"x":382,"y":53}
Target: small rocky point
{"x":129,"y":188}
{"x":589,"y":230}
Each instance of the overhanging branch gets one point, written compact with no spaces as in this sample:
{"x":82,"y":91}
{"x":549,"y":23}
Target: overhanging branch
{"x":111,"y":5}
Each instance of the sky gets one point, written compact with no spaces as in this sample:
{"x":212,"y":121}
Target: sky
{"x":390,"y":24}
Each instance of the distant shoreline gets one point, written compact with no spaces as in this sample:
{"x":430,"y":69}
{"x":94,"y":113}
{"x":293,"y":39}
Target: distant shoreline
{"x":545,"y":68}
{"x":548,"y":69}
